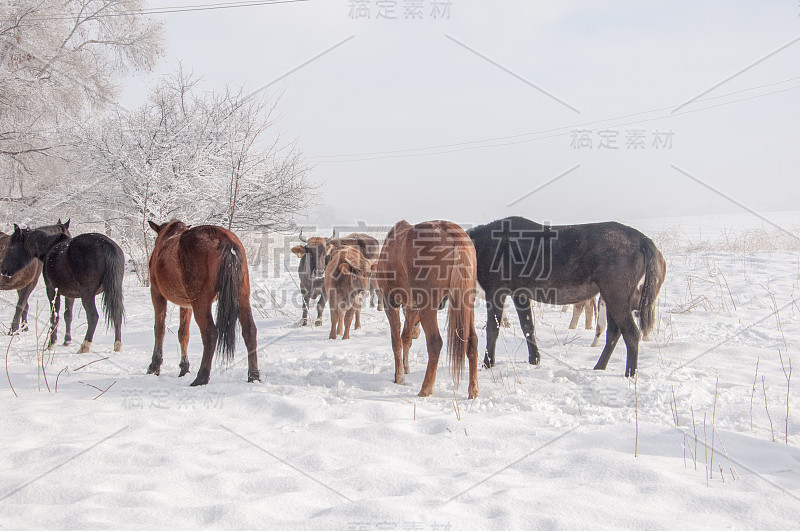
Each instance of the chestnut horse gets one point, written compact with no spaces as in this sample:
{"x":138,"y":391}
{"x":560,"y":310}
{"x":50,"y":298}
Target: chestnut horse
{"x":25,"y":282}
{"x":418,"y":266}
{"x":192,"y":267}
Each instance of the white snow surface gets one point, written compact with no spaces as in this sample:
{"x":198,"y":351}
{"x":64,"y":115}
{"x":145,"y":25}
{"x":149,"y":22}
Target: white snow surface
{"x":328,"y":441}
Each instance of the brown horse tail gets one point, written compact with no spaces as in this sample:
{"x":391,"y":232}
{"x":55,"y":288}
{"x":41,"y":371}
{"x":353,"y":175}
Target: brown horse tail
{"x":229,"y":282}
{"x":461,"y":309}
{"x":655,"y":271}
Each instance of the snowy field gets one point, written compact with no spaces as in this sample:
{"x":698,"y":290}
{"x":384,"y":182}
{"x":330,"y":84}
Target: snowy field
{"x":328,"y":441}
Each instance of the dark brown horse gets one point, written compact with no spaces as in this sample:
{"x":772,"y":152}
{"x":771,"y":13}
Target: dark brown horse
{"x":25,"y":282}
{"x":418,"y":266}
{"x":80,"y":267}
{"x":193,"y":267}
{"x":568,"y":264}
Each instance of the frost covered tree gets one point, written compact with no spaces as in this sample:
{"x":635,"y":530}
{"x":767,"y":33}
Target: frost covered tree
{"x":199,"y":156}
{"x":59,"y":60}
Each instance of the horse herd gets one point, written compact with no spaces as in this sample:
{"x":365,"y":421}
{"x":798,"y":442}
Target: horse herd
{"x":418,"y":269}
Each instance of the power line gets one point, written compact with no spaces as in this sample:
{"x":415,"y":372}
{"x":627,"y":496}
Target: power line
{"x":485,"y":143}
{"x":170,"y":9}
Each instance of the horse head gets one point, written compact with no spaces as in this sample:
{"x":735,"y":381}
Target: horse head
{"x":18,"y":254}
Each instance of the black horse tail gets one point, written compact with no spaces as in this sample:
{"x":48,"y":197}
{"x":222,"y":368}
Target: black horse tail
{"x":113,"y":306}
{"x":655,"y":271}
{"x":229,"y":282}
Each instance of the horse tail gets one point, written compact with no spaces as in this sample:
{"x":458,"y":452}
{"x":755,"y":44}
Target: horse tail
{"x":655,"y":270}
{"x":229,"y":283}
{"x":113,"y":307}
{"x":461,"y":309}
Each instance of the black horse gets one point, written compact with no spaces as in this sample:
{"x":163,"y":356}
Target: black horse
{"x":564,"y":265}
{"x":83,"y":267}
{"x":25,"y":282}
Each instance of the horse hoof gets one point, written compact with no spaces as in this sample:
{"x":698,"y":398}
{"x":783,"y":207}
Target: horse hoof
{"x":253,"y":376}
{"x":423,"y":393}
{"x":304,"y":322}
{"x":400,"y":379}
{"x":66,"y":342}
{"x":154,"y":370}
{"x":534,"y":360}
{"x":318,"y":322}
{"x":487,"y":363}
{"x":85,"y":346}
{"x":117,"y":346}
{"x":202,"y":378}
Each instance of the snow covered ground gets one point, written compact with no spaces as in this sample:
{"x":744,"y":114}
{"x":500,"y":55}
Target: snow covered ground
{"x":329,"y":441}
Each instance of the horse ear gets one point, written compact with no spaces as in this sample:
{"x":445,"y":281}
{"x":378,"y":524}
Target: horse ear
{"x":58,"y":222}
{"x":345,"y":268}
{"x":153,"y":226}
{"x":66,"y":223}
{"x":16,"y":228}
{"x":299,"y":250}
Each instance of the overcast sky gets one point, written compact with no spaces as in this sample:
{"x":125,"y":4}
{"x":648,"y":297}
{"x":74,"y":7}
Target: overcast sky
{"x":517,"y":91}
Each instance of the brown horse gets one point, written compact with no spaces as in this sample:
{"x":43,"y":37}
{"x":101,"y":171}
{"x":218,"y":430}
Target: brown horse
{"x":26,"y":279}
{"x":418,"y":266}
{"x":192,"y":268}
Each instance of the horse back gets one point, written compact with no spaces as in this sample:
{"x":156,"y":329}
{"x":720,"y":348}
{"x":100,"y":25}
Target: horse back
{"x":423,"y":258}
{"x":187,"y":265}
{"x":559,"y":264}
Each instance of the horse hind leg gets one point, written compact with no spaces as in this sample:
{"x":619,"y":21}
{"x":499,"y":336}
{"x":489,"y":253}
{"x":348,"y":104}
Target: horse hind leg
{"x":632,"y":336}
{"x":68,"y":305}
{"x":183,"y":339}
{"x":410,"y":332}
{"x":205,"y":321}
{"x":494,"y":314}
{"x":472,"y":358}
{"x":249,"y":334}
{"x":434,"y":342}
{"x":393,"y":316}
{"x":92,"y":317}
{"x":612,"y":336}
{"x":159,"y":327}
{"x":523,"y":305}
